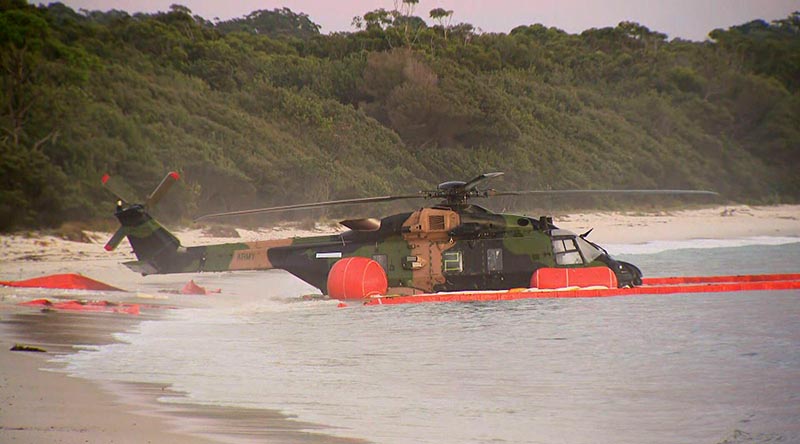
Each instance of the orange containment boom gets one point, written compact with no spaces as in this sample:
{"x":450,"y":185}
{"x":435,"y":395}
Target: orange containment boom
{"x":90,"y":306}
{"x":68,"y":281}
{"x":710,"y":279}
{"x":653,"y":286}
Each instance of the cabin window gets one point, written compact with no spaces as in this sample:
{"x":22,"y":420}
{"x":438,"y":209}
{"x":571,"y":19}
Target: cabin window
{"x":382,"y":260}
{"x":566,"y":252}
{"x":453,"y":262}
{"x":494,"y":259}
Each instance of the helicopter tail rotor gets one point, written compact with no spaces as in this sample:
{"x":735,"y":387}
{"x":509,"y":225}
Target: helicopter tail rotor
{"x":115,"y":188}
{"x":161,"y":189}
{"x":151,"y":242}
{"x":116,"y":238}
{"x":122,"y":201}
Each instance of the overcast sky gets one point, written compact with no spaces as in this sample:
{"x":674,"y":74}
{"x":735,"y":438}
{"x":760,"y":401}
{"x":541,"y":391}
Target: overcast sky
{"x":688,"y":19}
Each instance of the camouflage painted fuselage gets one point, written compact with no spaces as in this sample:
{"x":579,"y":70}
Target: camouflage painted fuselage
{"x":442,"y":248}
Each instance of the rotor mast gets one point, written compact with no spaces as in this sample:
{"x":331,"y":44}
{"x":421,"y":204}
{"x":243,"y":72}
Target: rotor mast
{"x":456,"y":193}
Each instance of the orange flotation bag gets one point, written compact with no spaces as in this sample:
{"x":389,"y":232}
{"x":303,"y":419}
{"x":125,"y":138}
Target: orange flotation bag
{"x":356,"y":278}
{"x":551,"y":278}
{"x":68,"y":281}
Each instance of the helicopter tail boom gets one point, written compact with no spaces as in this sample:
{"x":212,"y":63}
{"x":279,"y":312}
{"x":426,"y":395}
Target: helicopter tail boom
{"x":158,"y":251}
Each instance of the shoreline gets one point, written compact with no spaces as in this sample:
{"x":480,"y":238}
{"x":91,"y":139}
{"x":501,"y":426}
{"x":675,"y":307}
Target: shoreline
{"x":40,"y":405}
{"x":43,"y":403}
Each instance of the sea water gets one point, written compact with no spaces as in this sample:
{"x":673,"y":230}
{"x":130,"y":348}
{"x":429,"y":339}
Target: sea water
{"x":685,"y":368}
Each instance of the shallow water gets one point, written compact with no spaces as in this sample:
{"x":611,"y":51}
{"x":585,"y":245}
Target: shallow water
{"x":687,"y":368}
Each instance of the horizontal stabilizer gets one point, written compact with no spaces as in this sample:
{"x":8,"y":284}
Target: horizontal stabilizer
{"x":142,"y":267}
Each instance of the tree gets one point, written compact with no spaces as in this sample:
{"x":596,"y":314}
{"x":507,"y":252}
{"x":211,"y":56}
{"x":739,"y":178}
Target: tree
{"x":443,"y":18}
{"x":276,"y":23}
{"x":23,"y":36}
{"x":405,"y":18}
{"x":264,"y":110}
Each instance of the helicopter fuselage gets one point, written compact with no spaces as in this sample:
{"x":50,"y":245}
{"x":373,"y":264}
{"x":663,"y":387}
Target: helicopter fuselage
{"x":440,"y":248}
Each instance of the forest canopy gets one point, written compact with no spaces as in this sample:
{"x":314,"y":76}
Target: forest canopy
{"x":266,"y":110}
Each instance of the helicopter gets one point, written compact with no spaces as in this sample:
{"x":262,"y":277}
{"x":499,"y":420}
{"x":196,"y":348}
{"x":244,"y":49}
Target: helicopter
{"x":452,"y":245}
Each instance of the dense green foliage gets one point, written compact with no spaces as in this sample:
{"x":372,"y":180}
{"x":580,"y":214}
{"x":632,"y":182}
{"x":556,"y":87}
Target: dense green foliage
{"x":266,"y":110}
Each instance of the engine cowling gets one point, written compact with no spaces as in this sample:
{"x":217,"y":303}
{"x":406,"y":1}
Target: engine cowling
{"x":356,"y":278}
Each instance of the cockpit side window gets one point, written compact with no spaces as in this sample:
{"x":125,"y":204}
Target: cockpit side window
{"x":566,"y":252}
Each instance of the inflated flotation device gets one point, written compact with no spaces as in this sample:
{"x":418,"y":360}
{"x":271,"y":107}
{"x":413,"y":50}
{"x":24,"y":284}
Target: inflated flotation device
{"x":90,"y":306}
{"x":356,"y":278}
{"x":551,"y":278}
{"x":68,"y":281}
{"x":192,"y":288}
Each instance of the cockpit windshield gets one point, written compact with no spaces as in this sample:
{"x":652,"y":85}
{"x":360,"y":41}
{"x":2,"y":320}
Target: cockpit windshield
{"x":571,"y":249}
{"x":589,"y":251}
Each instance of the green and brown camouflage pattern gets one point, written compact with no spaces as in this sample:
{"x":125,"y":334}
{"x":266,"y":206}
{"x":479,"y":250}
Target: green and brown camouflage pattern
{"x":441,"y":248}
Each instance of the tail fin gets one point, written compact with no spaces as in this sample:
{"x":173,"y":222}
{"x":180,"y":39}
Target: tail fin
{"x":154,"y":246}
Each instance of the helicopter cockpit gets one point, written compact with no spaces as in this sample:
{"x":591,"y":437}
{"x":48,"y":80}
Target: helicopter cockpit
{"x":571,"y":249}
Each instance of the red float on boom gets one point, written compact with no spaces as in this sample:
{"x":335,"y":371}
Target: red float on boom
{"x":651,"y":286}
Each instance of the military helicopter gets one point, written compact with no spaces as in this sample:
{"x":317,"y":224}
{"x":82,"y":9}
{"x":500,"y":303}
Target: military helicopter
{"x":453,"y":245}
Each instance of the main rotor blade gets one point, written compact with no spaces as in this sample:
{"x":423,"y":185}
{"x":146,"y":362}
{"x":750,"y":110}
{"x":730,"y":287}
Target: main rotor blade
{"x":329,"y":203}
{"x":161,"y":189}
{"x":472,"y":183}
{"x":578,"y":192}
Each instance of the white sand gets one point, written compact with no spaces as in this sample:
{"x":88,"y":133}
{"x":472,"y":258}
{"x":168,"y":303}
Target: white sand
{"x":710,"y":223}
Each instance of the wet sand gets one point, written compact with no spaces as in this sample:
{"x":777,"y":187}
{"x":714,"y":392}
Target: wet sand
{"x":49,"y":406}
{"x":39,"y":406}
{"x":39,"y":403}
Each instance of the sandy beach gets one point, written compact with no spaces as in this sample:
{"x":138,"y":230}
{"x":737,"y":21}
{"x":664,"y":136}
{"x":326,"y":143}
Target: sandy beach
{"x":39,"y":403}
{"x":48,"y":406}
